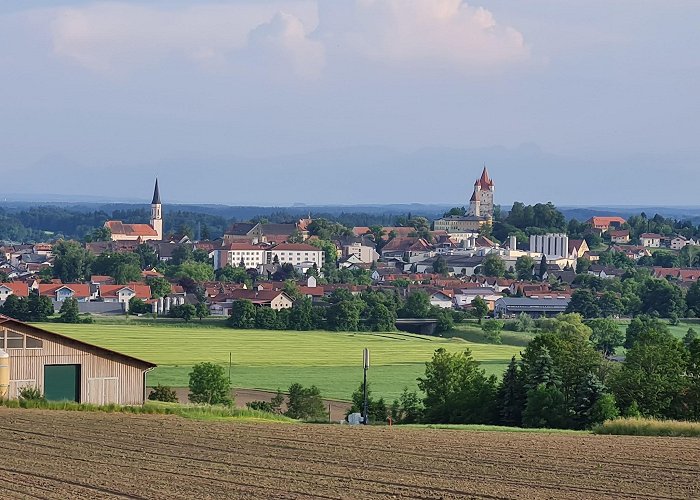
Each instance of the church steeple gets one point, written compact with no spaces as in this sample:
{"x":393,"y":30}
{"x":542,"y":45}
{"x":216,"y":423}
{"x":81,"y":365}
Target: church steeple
{"x":157,"y":212}
{"x":156,"y":195}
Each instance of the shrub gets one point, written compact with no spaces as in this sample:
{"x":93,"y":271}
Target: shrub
{"x":163,"y":393}
{"x":210,"y":385}
{"x":305,"y":403}
{"x":31,"y":394}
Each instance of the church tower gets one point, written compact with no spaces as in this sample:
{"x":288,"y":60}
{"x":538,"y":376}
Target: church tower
{"x":157,"y":213}
{"x":481,"y":203}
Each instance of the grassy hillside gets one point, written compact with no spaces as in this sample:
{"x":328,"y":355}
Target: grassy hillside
{"x":264,"y":359}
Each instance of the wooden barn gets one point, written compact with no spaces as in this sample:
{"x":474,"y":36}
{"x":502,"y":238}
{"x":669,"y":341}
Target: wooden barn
{"x":63,"y":368}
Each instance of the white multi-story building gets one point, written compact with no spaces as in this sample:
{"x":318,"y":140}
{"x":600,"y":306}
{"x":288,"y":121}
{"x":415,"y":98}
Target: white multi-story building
{"x":232,"y":254}
{"x":296,"y":254}
{"x":551,"y":245}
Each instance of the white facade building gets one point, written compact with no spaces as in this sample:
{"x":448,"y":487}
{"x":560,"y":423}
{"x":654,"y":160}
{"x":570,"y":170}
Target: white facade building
{"x":232,"y":254}
{"x":552,"y":245}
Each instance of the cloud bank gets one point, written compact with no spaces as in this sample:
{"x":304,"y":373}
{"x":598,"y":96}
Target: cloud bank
{"x":301,"y":37}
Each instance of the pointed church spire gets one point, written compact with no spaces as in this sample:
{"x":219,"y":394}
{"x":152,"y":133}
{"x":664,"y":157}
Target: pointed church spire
{"x":156,"y":195}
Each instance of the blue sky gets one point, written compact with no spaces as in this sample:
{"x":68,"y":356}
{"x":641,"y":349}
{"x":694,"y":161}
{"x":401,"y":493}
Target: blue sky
{"x":352,"y":101}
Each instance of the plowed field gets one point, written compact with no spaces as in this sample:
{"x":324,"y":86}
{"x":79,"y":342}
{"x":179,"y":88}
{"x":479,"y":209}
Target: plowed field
{"x":92,"y":455}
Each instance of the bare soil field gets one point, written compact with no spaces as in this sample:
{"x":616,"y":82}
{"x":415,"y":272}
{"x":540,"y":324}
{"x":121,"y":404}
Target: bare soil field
{"x":53,"y":454}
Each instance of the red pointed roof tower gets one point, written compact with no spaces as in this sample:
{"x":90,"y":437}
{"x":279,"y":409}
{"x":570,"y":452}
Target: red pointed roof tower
{"x":485,"y":181}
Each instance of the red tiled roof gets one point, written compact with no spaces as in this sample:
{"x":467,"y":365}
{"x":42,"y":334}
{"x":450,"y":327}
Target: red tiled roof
{"x":605,"y":221}
{"x":140,"y":291}
{"x":79,"y":289}
{"x":19,"y":289}
{"x":118,"y":227}
{"x":314,"y":291}
{"x":650,"y":235}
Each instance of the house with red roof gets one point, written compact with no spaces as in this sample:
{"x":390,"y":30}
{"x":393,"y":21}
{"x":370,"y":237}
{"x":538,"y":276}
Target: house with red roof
{"x":604,"y":224}
{"x":62,"y":291}
{"x":124,"y":293}
{"x":19,"y":289}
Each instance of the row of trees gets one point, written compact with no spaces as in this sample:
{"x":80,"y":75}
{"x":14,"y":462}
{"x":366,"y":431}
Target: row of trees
{"x":368,"y":311}
{"x":633,"y":294}
{"x":562,"y":380}
{"x":36,"y":308}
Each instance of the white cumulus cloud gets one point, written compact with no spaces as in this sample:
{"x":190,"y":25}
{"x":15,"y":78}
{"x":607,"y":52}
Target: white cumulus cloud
{"x":408,"y":31}
{"x":295,"y":35}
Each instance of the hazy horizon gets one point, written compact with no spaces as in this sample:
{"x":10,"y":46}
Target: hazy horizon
{"x":277,"y":102}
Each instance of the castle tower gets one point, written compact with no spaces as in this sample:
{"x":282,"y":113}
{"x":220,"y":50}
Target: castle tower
{"x":157,"y":212}
{"x":481,"y":203}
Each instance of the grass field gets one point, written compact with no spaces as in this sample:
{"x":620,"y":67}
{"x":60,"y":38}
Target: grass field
{"x":269,"y":360}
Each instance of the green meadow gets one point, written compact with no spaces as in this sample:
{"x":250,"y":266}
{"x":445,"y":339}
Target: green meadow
{"x":263,"y":359}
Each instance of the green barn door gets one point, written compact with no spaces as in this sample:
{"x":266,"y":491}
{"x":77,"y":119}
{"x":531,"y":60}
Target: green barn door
{"x":62,"y":382}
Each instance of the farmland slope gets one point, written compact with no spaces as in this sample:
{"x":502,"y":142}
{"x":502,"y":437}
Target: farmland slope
{"x":89,"y":455}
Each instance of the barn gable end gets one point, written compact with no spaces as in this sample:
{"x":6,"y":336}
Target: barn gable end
{"x":65,"y":368}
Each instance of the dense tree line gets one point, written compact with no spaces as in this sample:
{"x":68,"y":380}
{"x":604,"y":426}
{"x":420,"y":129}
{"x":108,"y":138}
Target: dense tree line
{"x":342,"y":311}
{"x":637,"y":292}
{"x":564,"y":381}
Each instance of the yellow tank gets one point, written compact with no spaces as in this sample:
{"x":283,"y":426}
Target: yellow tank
{"x":4,"y":375}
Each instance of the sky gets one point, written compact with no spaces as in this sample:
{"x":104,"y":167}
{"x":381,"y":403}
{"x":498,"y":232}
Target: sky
{"x":277,"y":102}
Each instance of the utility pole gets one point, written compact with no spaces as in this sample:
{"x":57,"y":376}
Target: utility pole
{"x":365,"y":366}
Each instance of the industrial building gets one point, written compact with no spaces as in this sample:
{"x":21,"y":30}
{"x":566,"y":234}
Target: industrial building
{"x":66,"y":369}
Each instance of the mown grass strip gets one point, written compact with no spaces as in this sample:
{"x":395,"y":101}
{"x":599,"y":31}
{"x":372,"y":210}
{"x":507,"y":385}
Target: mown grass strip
{"x":198,"y":412}
{"x":492,"y":428}
{"x":649,"y":427}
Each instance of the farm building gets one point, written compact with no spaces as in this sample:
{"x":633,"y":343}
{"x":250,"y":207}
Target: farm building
{"x":63,"y":368}
{"x":536,"y":307}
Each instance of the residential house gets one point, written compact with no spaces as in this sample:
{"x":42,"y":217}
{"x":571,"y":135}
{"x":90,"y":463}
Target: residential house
{"x":442,"y":299}
{"x":19,"y":289}
{"x":60,"y":292}
{"x":605,"y":272}
{"x":604,"y":224}
{"x":684,"y":275}
{"x":124,"y":293}
{"x":275,"y":299}
{"x":362,"y":247}
{"x":464,"y":297}
{"x":351,"y":261}
{"x":679,"y":242}
{"x":650,"y":240}
{"x":634,"y":252}
{"x":621,"y":236}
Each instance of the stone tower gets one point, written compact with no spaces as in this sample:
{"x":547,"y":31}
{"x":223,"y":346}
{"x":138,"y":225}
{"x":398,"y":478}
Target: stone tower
{"x":157,"y":212}
{"x":481,"y":202}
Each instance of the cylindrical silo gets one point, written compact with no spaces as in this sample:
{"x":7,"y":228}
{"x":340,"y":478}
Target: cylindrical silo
{"x":4,"y":375}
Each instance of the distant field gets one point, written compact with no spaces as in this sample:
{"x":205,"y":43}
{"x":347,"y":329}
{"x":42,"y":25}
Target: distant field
{"x":263,"y":359}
